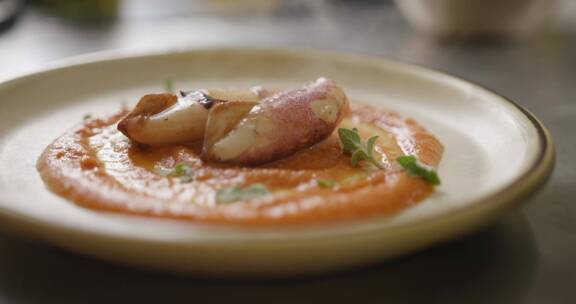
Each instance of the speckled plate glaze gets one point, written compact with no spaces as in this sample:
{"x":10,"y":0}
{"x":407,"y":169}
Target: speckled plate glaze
{"x":496,"y":155}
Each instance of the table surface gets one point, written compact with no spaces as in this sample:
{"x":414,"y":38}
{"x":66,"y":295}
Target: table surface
{"x":529,"y":256}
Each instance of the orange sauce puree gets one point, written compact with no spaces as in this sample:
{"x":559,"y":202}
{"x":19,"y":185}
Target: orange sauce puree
{"x":97,"y":167}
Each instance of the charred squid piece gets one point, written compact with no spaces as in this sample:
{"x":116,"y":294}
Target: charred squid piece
{"x":223,"y":118}
{"x":156,"y":121}
{"x":278,"y":126}
{"x":168,"y":119}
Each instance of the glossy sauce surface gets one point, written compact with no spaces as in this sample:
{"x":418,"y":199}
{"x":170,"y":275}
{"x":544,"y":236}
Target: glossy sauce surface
{"x":97,"y":167}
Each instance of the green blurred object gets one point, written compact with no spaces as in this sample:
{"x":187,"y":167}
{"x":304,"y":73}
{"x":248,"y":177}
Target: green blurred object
{"x":88,"y":11}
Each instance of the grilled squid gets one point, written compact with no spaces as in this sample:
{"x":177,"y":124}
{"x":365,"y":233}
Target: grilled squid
{"x":240,"y":127}
{"x":166,"y":118}
{"x":279,"y":125}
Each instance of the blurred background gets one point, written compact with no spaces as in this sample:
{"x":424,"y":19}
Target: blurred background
{"x":426,"y":31}
{"x":523,"y":49}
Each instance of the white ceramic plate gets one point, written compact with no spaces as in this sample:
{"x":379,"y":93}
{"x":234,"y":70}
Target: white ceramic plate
{"x":496,"y":154}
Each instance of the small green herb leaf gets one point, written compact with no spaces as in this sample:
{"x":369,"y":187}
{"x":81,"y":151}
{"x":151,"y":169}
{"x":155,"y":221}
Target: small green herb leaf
{"x":86,"y":116}
{"x":183,"y":170}
{"x":169,"y":85}
{"x":326,"y":183}
{"x":350,"y":139}
{"x":352,"y":144}
{"x":411,"y":165}
{"x":370,"y":145}
{"x":230,"y":195}
{"x":357,"y":156}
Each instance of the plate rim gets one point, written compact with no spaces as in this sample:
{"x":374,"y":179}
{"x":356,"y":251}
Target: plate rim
{"x":466,"y":218}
